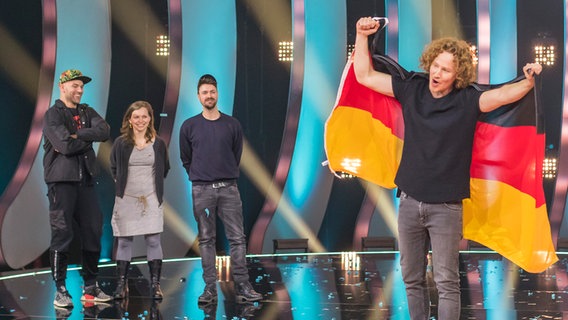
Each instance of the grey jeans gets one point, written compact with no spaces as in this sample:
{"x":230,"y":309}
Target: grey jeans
{"x":420,"y":225}
{"x":225,"y":202}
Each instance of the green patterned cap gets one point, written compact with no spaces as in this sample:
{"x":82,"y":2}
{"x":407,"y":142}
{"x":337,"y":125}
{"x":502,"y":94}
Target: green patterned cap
{"x":73,"y":74}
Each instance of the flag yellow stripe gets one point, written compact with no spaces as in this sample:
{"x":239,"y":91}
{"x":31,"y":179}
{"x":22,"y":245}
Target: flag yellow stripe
{"x":358,"y":144}
{"x":506,"y":220}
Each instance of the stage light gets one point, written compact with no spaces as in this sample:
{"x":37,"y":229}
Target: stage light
{"x":474,"y":54}
{"x":549,"y":167}
{"x":350,"y":49}
{"x":162,"y":45}
{"x":351,"y":165}
{"x":223,"y":266}
{"x":545,"y":55}
{"x":344,"y":175}
{"x":350,"y":261}
{"x":544,"y":49}
{"x":285,"y":51}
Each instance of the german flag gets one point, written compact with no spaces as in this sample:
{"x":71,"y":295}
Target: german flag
{"x":363,"y":135}
{"x":507,"y":210}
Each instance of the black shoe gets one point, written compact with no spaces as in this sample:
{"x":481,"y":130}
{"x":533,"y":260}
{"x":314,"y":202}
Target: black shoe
{"x":209,"y":309}
{"x":209,"y":294}
{"x":247,"y":310}
{"x":245,"y":293}
{"x":156,"y":291}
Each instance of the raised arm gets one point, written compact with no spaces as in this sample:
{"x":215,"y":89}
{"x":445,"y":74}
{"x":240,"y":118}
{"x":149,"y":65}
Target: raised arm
{"x":495,"y":98}
{"x":364,"y":72}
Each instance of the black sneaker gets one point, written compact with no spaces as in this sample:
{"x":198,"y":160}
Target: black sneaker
{"x":245,"y":293}
{"x":93,"y":293}
{"x":63,"y":298}
{"x":209,"y":294}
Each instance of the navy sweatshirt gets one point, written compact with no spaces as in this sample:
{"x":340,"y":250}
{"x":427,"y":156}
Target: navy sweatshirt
{"x":210,"y":150}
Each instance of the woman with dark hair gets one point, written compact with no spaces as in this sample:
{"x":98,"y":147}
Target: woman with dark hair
{"x":139,"y":163}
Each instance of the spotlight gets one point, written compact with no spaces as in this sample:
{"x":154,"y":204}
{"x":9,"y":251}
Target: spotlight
{"x":162,"y":45}
{"x":350,"y":261}
{"x":344,"y":175}
{"x":351,"y":165}
{"x":350,"y":49}
{"x":549,"y":166}
{"x":286,"y":51}
{"x":544,"y":49}
{"x":474,"y":54}
{"x":223,"y":266}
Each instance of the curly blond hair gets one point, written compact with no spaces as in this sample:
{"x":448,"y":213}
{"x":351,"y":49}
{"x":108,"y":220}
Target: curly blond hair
{"x":463,"y":59}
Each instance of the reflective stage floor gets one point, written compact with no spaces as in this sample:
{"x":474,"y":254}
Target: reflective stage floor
{"x":363,"y":285}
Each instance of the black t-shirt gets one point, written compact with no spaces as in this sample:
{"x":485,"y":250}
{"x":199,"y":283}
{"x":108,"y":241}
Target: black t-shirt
{"x":438,"y":140}
{"x":78,"y":125}
{"x":76,"y":117}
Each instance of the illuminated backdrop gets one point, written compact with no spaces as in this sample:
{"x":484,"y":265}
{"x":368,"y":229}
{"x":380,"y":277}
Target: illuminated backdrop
{"x":282,"y":104}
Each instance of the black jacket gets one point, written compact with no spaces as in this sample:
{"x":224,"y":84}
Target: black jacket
{"x":120,"y":155}
{"x":63,"y":154}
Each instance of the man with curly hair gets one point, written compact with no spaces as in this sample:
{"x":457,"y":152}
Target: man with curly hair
{"x":440,"y":111}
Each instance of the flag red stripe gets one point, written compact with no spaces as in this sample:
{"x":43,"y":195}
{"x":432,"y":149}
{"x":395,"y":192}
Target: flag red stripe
{"x":385,"y":109}
{"x":501,"y":154}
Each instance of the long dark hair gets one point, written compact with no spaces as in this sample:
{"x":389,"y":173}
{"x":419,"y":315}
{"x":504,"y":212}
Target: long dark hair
{"x":126,"y":129}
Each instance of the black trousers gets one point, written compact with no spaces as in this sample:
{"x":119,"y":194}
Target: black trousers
{"x":75,"y":202}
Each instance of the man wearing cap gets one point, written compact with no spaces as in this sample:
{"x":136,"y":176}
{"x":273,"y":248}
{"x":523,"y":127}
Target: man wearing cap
{"x":69,"y":163}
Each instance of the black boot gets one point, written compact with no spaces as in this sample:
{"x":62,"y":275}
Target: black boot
{"x":155,"y":271}
{"x":155,"y":311}
{"x":245,"y":293}
{"x":121,"y":291}
{"x":209,"y":294}
{"x":122,"y":307}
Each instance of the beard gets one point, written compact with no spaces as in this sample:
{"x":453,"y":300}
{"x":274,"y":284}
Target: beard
{"x":210,"y":104}
{"x":72,"y":97}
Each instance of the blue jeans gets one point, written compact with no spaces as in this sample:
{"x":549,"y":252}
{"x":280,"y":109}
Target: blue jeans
{"x":225,"y":202}
{"x":420,"y":225}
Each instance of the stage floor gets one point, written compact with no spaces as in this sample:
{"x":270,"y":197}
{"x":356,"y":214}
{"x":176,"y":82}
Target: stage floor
{"x":362,"y":285}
